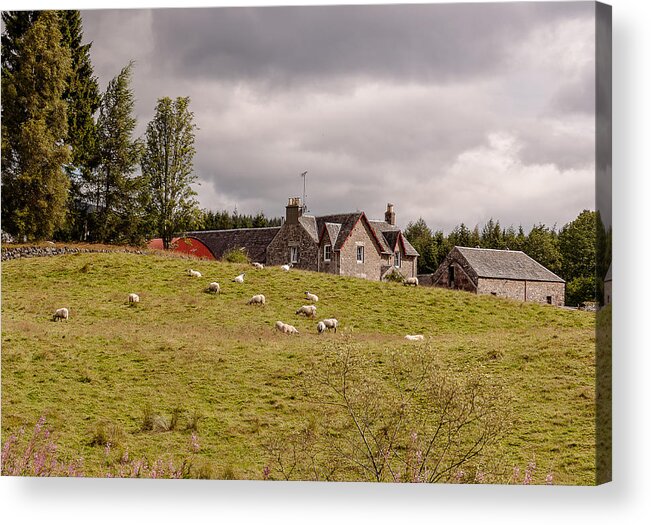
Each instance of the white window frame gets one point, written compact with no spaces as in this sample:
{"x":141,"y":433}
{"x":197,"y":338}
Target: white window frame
{"x":293,"y":254}
{"x":397,"y":259}
{"x":327,"y":252}
{"x":358,"y":252}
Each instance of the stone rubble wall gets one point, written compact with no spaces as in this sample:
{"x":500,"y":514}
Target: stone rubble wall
{"x":20,"y":252}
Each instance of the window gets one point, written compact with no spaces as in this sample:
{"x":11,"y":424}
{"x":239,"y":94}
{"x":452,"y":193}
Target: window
{"x":293,"y":254}
{"x":396,"y":260}
{"x":326,"y":252}
{"x":549,"y":299}
{"x":360,"y":254}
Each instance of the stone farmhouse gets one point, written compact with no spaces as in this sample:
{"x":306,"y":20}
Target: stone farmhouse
{"x":342,"y":244}
{"x":503,"y":273}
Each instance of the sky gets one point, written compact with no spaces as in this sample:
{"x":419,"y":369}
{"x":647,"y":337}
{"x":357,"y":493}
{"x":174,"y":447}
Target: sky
{"x":452,"y":112}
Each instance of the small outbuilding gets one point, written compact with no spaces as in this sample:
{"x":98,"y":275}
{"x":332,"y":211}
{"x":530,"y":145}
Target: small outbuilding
{"x":503,"y":273}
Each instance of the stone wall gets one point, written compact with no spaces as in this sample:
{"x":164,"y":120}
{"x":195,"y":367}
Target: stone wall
{"x":608,"y":292}
{"x":20,"y":252}
{"x":331,"y":266}
{"x":371,"y":268}
{"x":464,"y":276}
{"x":529,"y":291}
{"x":278,"y":251}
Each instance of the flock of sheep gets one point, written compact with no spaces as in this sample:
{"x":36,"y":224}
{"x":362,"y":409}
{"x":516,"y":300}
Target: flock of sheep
{"x":260,"y":299}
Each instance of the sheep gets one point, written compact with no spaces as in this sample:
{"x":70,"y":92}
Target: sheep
{"x":61,"y":313}
{"x":134,"y":298}
{"x":257,"y":299}
{"x":286,"y":328}
{"x":415,"y":337}
{"x":327,"y":324}
{"x":239,"y":278}
{"x":194,"y":273}
{"x":286,"y":267}
{"x":311,"y":297}
{"x":307,"y":311}
{"x":213,"y":287}
{"x":258,"y":266}
{"x":411,"y":281}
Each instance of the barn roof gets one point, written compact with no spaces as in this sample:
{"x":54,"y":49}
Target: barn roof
{"x":506,"y":264}
{"x":253,"y":240}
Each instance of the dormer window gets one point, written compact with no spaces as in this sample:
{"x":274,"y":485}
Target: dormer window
{"x":396,"y":259}
{"x":327,"y":249}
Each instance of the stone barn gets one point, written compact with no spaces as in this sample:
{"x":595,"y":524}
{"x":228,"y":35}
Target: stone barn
{"x":503,"y":273}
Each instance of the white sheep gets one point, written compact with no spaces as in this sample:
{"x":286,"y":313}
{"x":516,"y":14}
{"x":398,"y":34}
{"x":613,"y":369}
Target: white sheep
{"x":286,"y":267}
{"x":286,"y":328}
{"x":258,"y":266}
{"x":134,"y":298}
{"x":61,"y":313}
{"x":411,"y":281}
{"x":213,"y":287}
{"x":311,"y":297}
{"x":257,"y":299}
{"x":415,"y":337}
{"x":327,"y":324}
{"x":194,"y":273}
{"x":239,"y":278}
{"x":307,"y":311}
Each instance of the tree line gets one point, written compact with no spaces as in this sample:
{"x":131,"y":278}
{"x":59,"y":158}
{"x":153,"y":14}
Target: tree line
{"x":71,"y":166}
{"x":579,"y":252}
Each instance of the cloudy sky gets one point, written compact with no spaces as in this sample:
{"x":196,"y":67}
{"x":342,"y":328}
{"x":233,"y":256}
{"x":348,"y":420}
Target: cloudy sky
{"x":453,"y":112}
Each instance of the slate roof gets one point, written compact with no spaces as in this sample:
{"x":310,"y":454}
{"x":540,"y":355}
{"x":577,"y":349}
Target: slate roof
{"x":346,"y":221}
{"x":309,"y":223}
{"x":391,"y":233}
{"x":253,"y":240}
{"x":506,"y":264}
{"x":332,"y":230}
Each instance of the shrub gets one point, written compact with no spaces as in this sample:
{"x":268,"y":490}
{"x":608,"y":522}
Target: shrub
{"x":394,"y":276}
{"x":236,"y":255}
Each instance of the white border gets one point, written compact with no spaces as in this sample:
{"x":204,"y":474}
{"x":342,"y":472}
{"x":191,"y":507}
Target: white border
{"x":626,"y":500}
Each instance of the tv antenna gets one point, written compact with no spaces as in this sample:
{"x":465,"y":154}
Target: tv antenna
{"x":304,"y":194}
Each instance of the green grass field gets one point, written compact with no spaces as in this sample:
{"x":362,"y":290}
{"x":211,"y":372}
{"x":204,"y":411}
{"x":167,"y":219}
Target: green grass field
{"x":214,"y":358}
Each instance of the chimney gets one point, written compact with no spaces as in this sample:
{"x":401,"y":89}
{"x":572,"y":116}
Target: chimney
{"x":294,"y":210}
{"x":390,"y":215}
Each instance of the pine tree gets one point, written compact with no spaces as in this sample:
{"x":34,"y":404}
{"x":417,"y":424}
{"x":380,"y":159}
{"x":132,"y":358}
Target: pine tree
{"x":34,"y":125}
{"x":116,"y":189}
{"x":168,"y":169}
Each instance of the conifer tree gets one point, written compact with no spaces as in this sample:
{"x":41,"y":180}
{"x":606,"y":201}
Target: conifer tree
{"x":167,"y":168}
{"x":34,"y":125}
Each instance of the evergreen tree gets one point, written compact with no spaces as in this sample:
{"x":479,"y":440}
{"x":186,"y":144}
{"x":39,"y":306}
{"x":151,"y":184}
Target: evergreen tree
{"x":34,"y":125}
{"x":116,"y":189}
{"x":578,"y":244}
{"x":542,"y":246}
{"x":167,"y":168}
{"x":491,"y":235}
{"x":420,"y":237}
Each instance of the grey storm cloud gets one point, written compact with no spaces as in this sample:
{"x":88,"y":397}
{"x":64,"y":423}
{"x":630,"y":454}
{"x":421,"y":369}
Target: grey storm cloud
{"x":453,"y":112}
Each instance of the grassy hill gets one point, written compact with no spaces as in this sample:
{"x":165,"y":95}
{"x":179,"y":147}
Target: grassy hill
{"x":218,"y":365}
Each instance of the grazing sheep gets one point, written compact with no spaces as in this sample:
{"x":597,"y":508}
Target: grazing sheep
{"x":61,"y":313}
{"x":307,"y":311}
{"x":327,"y":324}
{"x":134,"y":298}
{"x":415,"y":337}
{"x":286,"y":328}
{"x":194,"y":273}
{"x":411,"y":281}
{"x":286,"y":267}
{"x":213,"y":287}
{"x":257,"y":299}
{"x":311,"y":297}
{"x":239,"y":278}
{"x":258,"y":266}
